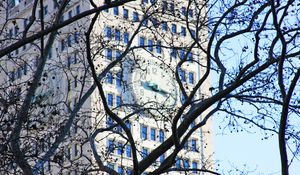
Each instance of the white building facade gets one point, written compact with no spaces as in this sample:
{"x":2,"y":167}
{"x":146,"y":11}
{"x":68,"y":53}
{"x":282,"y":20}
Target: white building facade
{"x":152,"y":41}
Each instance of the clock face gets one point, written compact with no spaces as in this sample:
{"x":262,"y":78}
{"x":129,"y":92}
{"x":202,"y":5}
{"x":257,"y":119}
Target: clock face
{"x":154,"y":86}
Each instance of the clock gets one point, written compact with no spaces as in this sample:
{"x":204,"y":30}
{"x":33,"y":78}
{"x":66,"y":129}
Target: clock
{"x":154,"y":86}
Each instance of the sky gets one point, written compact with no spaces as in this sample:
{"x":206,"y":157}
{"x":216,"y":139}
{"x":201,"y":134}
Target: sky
{"x":235,"y":150}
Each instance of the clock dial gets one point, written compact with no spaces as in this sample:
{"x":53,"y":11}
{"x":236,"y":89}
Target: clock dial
{"x":154,"y":86}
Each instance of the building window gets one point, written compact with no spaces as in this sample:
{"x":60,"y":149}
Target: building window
{"x":110,"y":99}
{"x":62,"y":45}
{"x":69,"y":40}
{"x":118,"y":101}
{"x":145,"y":1}
{"x":173,"y":53}
{"x":177,"y":164}
{"x":194,"y":145}
{"x":109,"y":78}
{"x":182,"y":75}
{"x":182,"y":98}
{"x":144,"y":153}
{"x":117,"y":35}
{"x":118,"y":54}
{"x":152,"y":1}
{"x":194,"y":166}
{"x":116,"y":10}
{"x":183,"y":11}
{"x":172,"y":8}
{"x":77,"y":9}
{"x":135,"y":17}
{"x":162,"y":158}
{"x":181,"y":54}
{"x":70,"y":14}
{"x":111,"y":166}
{"x":120,"y":170}
{"x":164,"y":6}
{"x":45,"y":10}
{"x":191,"y":77}
{"x":145,"y":22}
{"x":109,"y":54}
{"x":110,"y":146}
{"x":164,"y":26}
{"x":150,"y":45}
{"x":183,"y":31}
{"x":173,"y":28}
{"x":186,"y":145}
{"x":129,"y":171}
{"x":154,"y":22}
{"x":76,"y":37}
{"x":191,"y":14}
{"x":128,"y":124}
{"x":109,"y":122}
{"x":125,"y":13}
{"x":118,"y":79}
{"x":158,"y":47}
{"x":143,"y":132}
{"x":128,"y":151}
{"x":193,"y":124}
{"x":107,"y":32}
{"x":141,"y":41}
{"x":161,"y":136}
{"x":193,"y":33}
{"x":185,"y":163}
{"x":120,"y":148}
{"x":152,"y":134}
{"x":190,"y":56}
{"x":126,"y":37}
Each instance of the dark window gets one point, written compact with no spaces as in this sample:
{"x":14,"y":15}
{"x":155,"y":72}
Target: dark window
{"x":185,"y":163}
{"x":118,"y":54}
{"x":144,"y":153}
{"x":117,"y":35}
{"x":128,"y":151}
{"x":164,"y":26}
{"x":150,"y":45}
{"x":162,"y":158}
{"x":126,"y":37}
{"x":183,"y":11}
{"x":152,"y":134}
{"x":191,"y":14}
{"x":109,"y":78}
{"x":116,"y":10}
{"x":128,"y":124}
{"x":125,"y":13}
{"x":181,"y":54}
{"x":173,"y":53}
{"x":173,"y":28}
{"x":161,"y":136}
{"x":183,"y":31}
{"x":194,"y":166}
{"x":118,"y":101}
{"x":135,"y":17}
{"x":109,"y":122}
{"x":109,"y":99}
{"x":70,"y":14}
{"x":191,"y":78}
{"x":120,"y":148}
{"x":158,"y":47}
{"x":109,"y":54}
{"x":120,"y":170}
{"x":141,"y":41}
{"x":182,"y":75}
{"x":110,"y":146}
{"x":118,"y":79}
{"x":194,"y":145}
{"x":143,"y":132}
{"x":177,"y":164}
{"x":107,"y":32}
{"x":77,"y":9}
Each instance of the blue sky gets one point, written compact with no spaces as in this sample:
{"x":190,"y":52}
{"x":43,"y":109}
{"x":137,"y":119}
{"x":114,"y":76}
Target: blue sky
{"x":261,"y":157}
